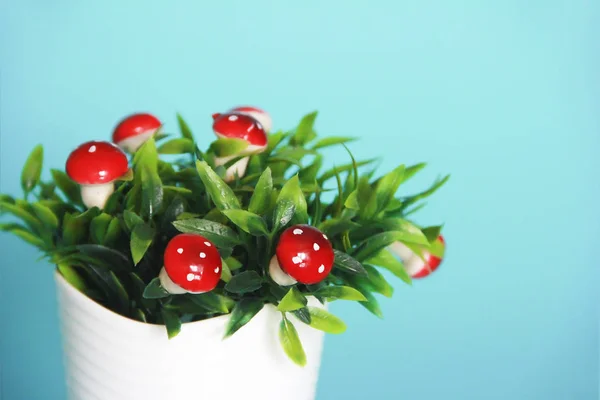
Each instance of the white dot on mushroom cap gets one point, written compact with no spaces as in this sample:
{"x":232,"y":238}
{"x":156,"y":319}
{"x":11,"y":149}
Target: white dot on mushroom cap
{"x":325,"y":236}
{"x":190,"y":277}
{"x":180,"y":250}
{"x":233,"y":118}
{"x":92,"y":149}
{"x":102,"y":173}
{"x":298,"y":231}
{"x":207,"y":243}
{"x":296,"y":260}
{"x":321,"y":269}
{"x":217,"y":270}
{"x":259,"y":125}
{"x":202,"y":254}
{"x":316,"y":246}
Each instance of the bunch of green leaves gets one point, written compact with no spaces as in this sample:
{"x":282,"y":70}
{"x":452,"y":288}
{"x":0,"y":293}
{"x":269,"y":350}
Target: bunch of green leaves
{"x":114,"y":255}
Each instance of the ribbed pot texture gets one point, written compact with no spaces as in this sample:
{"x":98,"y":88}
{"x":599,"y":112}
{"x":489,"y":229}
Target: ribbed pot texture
{"x":110,"y":357}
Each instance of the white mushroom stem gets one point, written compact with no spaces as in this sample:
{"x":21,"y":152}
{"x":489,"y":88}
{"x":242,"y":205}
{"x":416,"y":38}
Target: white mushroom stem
{"x":412,"y":262}
{"x":168,"y":284}
{"x":278,"y":275}
{"x":96,"y":195}
{"x":401,"y":250}
{"x":239,"y":167}
{"x":133,"y":143}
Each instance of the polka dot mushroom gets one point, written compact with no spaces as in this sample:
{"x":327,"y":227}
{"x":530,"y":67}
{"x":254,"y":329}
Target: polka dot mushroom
{"x":133,"y":131}
{"x":416,"y":266}
{"x":303,"y":254}
{"x":192,"y":264}
{"x":239,"y":126}
{"x":258,"y":114}
{"x":95,"y":165}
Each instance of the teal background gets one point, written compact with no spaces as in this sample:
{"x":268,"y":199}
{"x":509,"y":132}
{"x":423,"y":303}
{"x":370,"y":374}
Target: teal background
{"x":504,"y":95}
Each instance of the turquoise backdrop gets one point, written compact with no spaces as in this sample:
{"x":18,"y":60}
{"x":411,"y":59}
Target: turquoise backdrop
{"x":504,"y":95}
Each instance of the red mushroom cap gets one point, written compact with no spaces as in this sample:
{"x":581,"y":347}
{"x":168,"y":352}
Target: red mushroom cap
{"x":257,"y":113}
{"x":240,"y":126}
{"x":96,"y":162}
{"x":193,"y":263}
{"x":134,"y":125}
{"x":305,"y":254}
{"x":431,"y":262}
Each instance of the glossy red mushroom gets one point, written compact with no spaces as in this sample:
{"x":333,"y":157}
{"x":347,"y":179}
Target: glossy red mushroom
{"x":258,"y":114}
{"x":305,"y":254}
{"x":239,"y":126}
{"x":192,"y":264}
{"x":133,"y":131}
{"x":95,"y":166}
{"x":416,"y":266}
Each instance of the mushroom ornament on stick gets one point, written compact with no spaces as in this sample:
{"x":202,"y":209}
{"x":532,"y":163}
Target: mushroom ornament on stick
{"x":258,"y":114}
{"x":303,"y":254}
{"x":416,"y":266}
{"x":95,"y":165}
{"x":192,"y":264}
{"x":133,"y":131}
{"x":239,"y":126}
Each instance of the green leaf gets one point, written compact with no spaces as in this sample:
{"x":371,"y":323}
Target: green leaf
{"x":177,"y":189}
{"x":291,"y":194}
{"x":19,"y":211}
{"x":293,"y":300}
{"x":242,"y":313}
{"x":112,"y":257}
{"x":233,"y":263}
{"x":335,"y":226}
{"x":309,"y":173}
{"x":177,"y":146}
{"x":28,"y":237}
{"x":384,"y":192}
{"x":304,"y":130}
{"x":152,"y":192}
{"x":244,"y":282}
{"x":378,"y":242}
{"x":345,"y":167}
{"x":352,"y":201}
{"x":119,"y":290}
{"x":224,"y":147}
{"x":72,"y":276}
{"x":141,"y":239}
{"x":247,"y":221}
{"x":340,"y":293}
{"x":371,"y":304}
{"x":67,"y":186}
{"x":302,"y":314}
{"x":412,"y":171}
{"x":131,"y":220}
{"x":260,"y":200}
{"x":212,"y":302}
{"x":332,"y":141}
{"x":325,"y":321}
{"x":220,"y":193}
{"x":288,"y":337}
{"x":376,"y":282}
{"x":73,"y":230}
{"x":225,"y":272}
{"x":112,"y":232}
{"x":432,"y":232}
{"x":407,"y":232}
{"x":46,"y":215}
{"x":284,"y":212}
{"x":386,"y":260}
{"x":172,"y":323}
{"x":154,"y":290}
{"x":98,"y":227}
{"x":184,"y":128}
{"x":346,"y":263}
{"x":420,"y":196}
{"x":32,"y":170}
{"x":219,"y":234}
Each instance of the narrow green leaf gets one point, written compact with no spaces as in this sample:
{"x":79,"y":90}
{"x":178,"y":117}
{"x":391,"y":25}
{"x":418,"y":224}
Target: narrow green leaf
{"x":28,"y":237}
{"x":342,"y":168}
{"x":352,"y":201}
{"x":225,"y":147}
{"x":376,"y":282}
{"x":432,"y":232}
{"x":98,"y":227}
{"x":152,"y":192}
{"x":386,"y":260}
{"x":184,"y":128}
{"x":177,"y":190}
{"x":291,"y":193}
{"x":46,"y":215}
{"x":177,"y":146}
{"x":260,"y":200}
{"x":23,"y":214}
{"x":325,"y":321}
{"x":244,"y":282}
{"x":335,"y":226}
{"x":288,"y":337}
{"x":420,"y":196}
{"x":69,"y":188}
{"x":409,"y":232}
{"x":212,"y":302}
{"x":220,"y":193}
{"x":141,"y":239}
{"x":233,"y":263}
{"x":154,"y":290}
{"x":119,"y":290}
{"x":293,"y":300}
{"x":242,"y":313}
{"x":371,"y":304}
{"x":340,"y":293}
{"x":219,"y":234}
{"x":72,"y":276}
{"x":172,"y":323}
{"x":304,"y":130}
{"x":413,"y":170}
{"x":32,"y":170}
{"x":302,"y":314}
{"x":225,"y":272}
{"x":347,"y":263}
{"x":332,"y":141}
{"x":378,"y":242}
{"x":131,"y":220}
{"x":112,"y":257}
{"x":247,"y":221}
{"x":309,"y":173}
{"x":384,"y":192}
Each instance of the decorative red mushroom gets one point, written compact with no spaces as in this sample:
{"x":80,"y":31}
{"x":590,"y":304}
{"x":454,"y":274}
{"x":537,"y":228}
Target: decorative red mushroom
{"x":95,"y":166}
{"x":258,"y":114}
{"x":192,"y":264}
{"x":414,"y":265}
{"x":304,"y":253}
{"x":239,"y":126}
{"x":133,"y":131}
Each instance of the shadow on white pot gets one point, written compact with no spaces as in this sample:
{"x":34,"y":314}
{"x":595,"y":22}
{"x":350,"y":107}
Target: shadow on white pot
{"x":110,"y":357}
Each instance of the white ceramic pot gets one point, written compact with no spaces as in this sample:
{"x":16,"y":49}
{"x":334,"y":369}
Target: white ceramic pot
{"x":110,"y":357}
